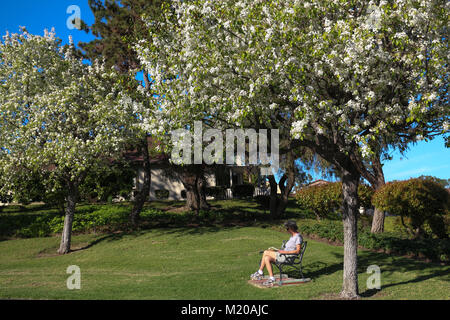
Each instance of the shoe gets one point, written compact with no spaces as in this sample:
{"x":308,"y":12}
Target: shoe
{"x":256,"y":276}
{"x":269,"y":283}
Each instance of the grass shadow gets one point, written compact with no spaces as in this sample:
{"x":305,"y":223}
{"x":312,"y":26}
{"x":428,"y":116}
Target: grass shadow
{"x":388,"y":265}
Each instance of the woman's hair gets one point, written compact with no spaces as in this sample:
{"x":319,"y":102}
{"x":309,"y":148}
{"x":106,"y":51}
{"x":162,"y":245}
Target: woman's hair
{"x":291,"y":225}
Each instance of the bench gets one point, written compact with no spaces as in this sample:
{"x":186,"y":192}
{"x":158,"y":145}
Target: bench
{"x":294,"y":261}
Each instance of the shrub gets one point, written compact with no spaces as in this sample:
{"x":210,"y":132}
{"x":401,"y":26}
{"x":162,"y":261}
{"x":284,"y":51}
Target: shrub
{"x":325,"y":199}
{"x":328,"y":229}
{"x":243,"y":190}
{"x":162,"y":194}
{"x":85,"y":219}
{"x":422,"y":200}
{"x":365,"y":194}
{"x":108,"y":183}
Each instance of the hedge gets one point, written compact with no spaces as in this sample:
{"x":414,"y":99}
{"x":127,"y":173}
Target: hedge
{"x":85,"y":219}
{"x":327,"y":198}
{"x":420,"y":200}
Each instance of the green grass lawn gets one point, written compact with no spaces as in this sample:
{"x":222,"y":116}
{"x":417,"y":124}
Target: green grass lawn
{"x":197,"y":263}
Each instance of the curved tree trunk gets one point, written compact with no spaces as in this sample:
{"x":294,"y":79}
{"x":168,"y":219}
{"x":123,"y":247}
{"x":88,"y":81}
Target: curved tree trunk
{"x":142,"y":194}
{"x":71,"y":202}
{"x":273,"y":197}
{"x":350,"y":181}
{"x":287,"y":182}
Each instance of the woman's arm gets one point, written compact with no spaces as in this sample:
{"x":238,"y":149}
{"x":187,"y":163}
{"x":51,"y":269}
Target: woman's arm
{"x":296,"y":251}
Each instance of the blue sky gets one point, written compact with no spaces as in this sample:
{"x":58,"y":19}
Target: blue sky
{"x":424,"y":158}
{"x":44,"y":14}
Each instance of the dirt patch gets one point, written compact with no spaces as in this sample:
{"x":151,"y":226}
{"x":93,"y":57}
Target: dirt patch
{"x":176,"y":209}
{"x":47,"y":253}
{"x":53,"y":251}
{"x":287,"y":281}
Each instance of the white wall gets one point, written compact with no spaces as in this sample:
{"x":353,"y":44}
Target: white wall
{"x":161,"y":181}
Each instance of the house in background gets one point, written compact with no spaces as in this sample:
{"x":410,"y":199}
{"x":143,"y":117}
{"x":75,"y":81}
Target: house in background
{"x":319,"y":182}
{"x":161,"y":179}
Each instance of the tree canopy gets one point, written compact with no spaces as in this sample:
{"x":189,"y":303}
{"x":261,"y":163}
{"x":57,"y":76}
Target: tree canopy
{"x":343,"y":78}
{"x":60,"y":116}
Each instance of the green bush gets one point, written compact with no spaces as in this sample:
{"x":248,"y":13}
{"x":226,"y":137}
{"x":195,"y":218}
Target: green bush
{"x":420,"y":203}
{"x":328,"y":229}
{"x":44,"y":224}
{"x":107,"y":183}
{"x":327,"y":198}
{"x":243,"y":190}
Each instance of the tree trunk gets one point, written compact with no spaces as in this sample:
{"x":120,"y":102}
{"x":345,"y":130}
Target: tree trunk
{"x":350,"y":181}
{"x":278,"y":205}
{"x":194,"y":182}
{"x":378,"y":215}
{"x":142,"y":194}
{"x":71,"y":202}
{"x":190,"y":183}
{"x":376,"y":179}
{"x":378,"y":221}
{"x":287,"y":183}
{"x":201,"y":188}
{"x":273,"y":197}
{"x":191,"y":200}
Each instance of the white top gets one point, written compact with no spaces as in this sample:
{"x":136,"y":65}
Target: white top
{"x":292,"y":243}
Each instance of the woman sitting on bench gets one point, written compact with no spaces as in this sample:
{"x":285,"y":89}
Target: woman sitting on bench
{"x":292,"y":247}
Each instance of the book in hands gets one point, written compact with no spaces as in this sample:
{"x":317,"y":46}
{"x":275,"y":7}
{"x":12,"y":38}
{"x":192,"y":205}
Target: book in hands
{"x":273,"y":249}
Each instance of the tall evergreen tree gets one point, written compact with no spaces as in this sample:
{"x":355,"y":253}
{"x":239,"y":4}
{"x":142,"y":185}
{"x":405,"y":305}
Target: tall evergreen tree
{"x":117,"y":25}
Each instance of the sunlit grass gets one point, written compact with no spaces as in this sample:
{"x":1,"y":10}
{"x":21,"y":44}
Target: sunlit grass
{"x":197,"y":263}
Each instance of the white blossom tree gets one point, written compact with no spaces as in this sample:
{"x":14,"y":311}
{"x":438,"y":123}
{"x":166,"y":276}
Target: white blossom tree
{"x":59,"y":115}
{"x":346,"y":78}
